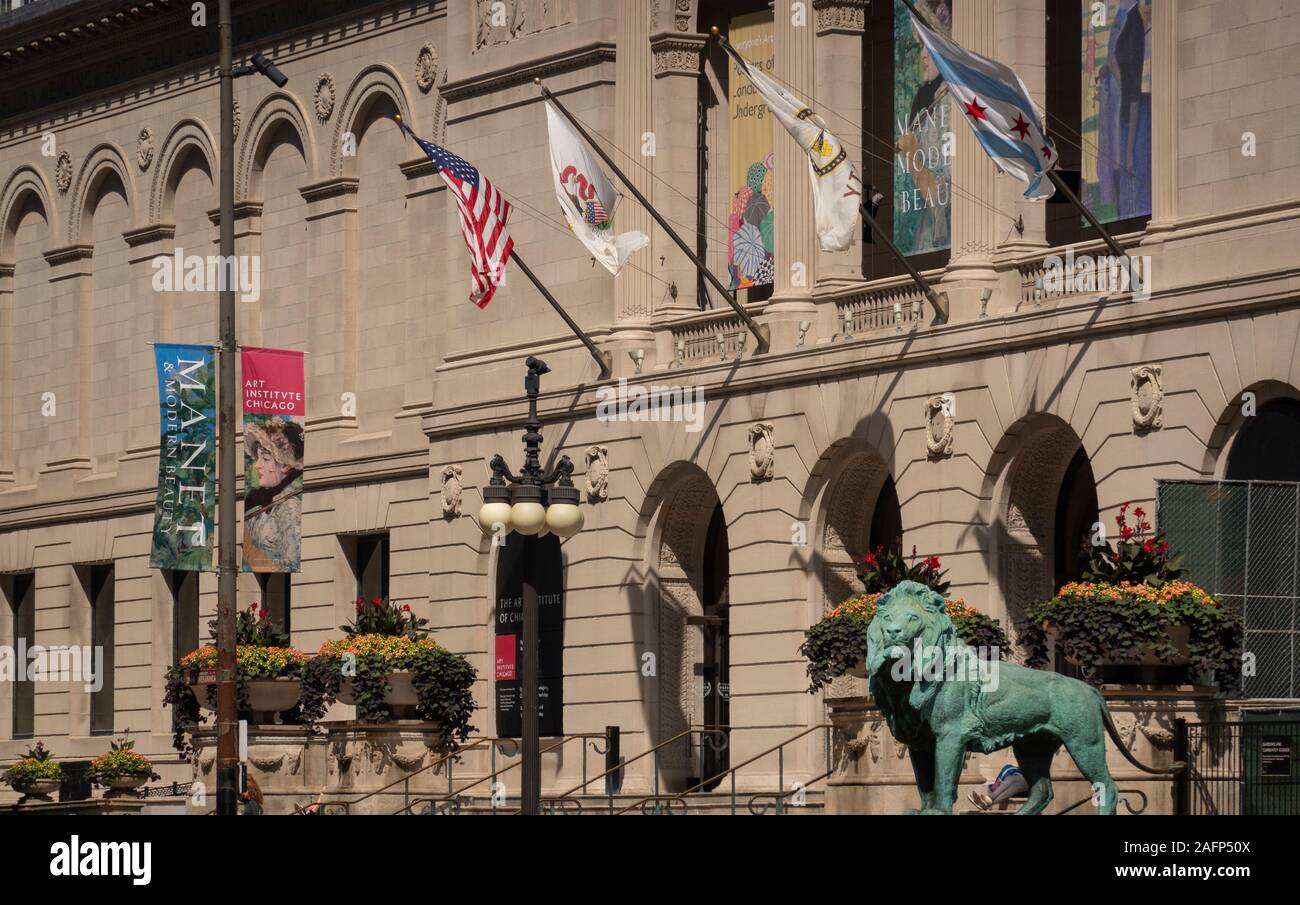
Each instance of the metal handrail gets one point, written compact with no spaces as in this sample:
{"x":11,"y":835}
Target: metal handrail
{"x":565,"y":796}
{"x":1142,"y":805}
{"x":451,"y":801}
{"x":668,"y":801}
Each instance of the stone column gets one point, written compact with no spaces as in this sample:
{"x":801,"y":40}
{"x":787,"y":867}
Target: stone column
{"x":676,"y":61}
{"x":153,"y":316}
{"x":840,"y":24}
{"x":1164,"y":120}
{"x":974,"y":218}
{"x":1022,"y":45}
{"x":796,"y":240}
{"x":634,"y":290}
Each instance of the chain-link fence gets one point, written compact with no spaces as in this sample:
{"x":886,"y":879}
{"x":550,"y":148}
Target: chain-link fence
{"x":1240,"y":541}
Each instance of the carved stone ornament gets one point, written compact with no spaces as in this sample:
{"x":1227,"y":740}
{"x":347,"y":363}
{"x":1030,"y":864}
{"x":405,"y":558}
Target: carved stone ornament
{"x":144,"y":148}
{"x":597,"y":473}
{"x":1146,"y":395}
{"x":235,"y":105}
{"x":938,"y":426}
{"x":266,"y":762}
{"x":324,"y":96}
{"x":840,"y":16}
{"x":451,"y":491}
{"x":762,"y":453}
{"x":426,"y":67}
{"x":677,"y":54}
{"x":63,"y":172}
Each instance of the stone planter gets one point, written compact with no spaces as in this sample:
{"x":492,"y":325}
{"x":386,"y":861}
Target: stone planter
{"x":122,"y":785}
{"x":288,"y":763}
{"x":380,"y":768}
{"x":401,"y":690}
{"x":40,"y":789}
{"x":267,"y":696}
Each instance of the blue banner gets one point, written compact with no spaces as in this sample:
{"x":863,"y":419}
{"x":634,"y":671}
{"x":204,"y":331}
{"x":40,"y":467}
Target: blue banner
{"x":187,"y":458}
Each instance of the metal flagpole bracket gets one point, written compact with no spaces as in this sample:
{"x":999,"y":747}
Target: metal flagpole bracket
{"x":938,"y":300}
{"x":761,"y":331}
{"x":1087,"y":214}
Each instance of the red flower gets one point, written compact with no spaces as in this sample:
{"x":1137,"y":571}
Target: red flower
{"x":870,"y":559}
{"x":252,"y":606}
{"x":1114,"y":557}
{"x":1139,"y":512}
{"x":1124,"y":508}
{"x":1126,"y":532}
{"x":1145,"y":526}
{"x":406,"y":608}
{"x":1149,"y":547}
{"x":933,"y":563}
{"x":1119,"y":520}
{"x":376,"y":600}
{"x":1164,"y":546}
{"x":359,"y":601}
{"x":359,"y":604}
{"x":261,"y":614}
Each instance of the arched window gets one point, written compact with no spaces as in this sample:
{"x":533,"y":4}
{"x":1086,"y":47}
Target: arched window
{"x":1268,"y":445}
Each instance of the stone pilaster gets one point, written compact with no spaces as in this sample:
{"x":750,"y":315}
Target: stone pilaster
{"x":975,"y":220}
{"x":633,"y":121}
{"x":154,"y":315}
{"x":1022,"y":45}
{"x":839,"y":25}
{"x":1164,"y":119}
{"x":6,"y":374}
{"x":71,"y":276}
{"x":332,"y":294}
{"x":676,"y":58}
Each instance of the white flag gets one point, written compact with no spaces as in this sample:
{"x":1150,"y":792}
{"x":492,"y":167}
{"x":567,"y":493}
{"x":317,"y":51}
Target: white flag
{"x":586,"y":196}
{"x":837,"y":190}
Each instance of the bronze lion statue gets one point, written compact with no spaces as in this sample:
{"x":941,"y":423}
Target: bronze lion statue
{"x":942,"y":701}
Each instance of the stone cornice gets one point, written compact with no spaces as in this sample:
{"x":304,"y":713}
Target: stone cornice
{"x":509,"y":76}
{"x":154,"y":232}
{"x":244,"y":210}
{"x":336,"y":187}
{"x":414,"y":169}
{"x":69,"y":253}
{"x":675,"y":53}
{"x":1071,"y":321}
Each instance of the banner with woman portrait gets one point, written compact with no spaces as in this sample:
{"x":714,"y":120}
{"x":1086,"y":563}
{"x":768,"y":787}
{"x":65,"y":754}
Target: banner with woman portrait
{"x":751,"y":241}
{"x":274,"y":409}
{"x":922,"y":136}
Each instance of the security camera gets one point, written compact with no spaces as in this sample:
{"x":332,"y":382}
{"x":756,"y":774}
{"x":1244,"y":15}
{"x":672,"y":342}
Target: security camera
{"x":261,"y":64}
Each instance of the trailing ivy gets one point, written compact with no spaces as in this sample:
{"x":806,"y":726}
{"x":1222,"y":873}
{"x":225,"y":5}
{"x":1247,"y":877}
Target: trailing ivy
{"x":1097,"y":623}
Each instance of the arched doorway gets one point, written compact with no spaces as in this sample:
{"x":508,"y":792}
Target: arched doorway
{"x":688,"y":622}
{"x":1047,"y":504}
{"x":861,"y":513}
{"x":1267,"y":447}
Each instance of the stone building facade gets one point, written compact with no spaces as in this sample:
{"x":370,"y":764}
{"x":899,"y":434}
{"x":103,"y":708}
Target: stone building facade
{"x":971,"y":425}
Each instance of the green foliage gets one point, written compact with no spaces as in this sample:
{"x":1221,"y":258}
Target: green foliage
{"x":883,"y":568}
{"x":1101,"y":623}
{"x":254,"y":628}
{"x":380,"y":616}
{"x":121,"y":760}
{"x":1136,"y":559}
{"x":37,"y":764}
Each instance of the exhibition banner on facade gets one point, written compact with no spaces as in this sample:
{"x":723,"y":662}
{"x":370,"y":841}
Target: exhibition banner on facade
{"x":922,"y":135}
{"x":187,"y":458}
{"x":750,"y":236}
{"x":274,"y":408}
{"x":1116,"y":113}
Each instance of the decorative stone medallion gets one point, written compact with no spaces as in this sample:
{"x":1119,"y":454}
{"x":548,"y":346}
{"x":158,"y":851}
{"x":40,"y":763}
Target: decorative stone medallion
{"x":63,"y":172}
{"x":938,"y":426}
{"x":235,"y":105}
{"x":144,"y":148}
{"x":597,"y":473}
{"x":426,"y":67}
{"x":762,"y":452}
{"x":324,"y":96}
{"x":1146,"y":395}
{"x":451,"y":491}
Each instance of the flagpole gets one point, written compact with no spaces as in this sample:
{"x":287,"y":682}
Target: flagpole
{"x":938,"y":301}
{"x":760,"y":331}
{"x":603,"y":359}
{"x":1087,"y":214}
{"x":1052,"y":175}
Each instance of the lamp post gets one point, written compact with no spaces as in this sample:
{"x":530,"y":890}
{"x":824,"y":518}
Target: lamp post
{"x":531,"y":504}
{"x":227,"y":568}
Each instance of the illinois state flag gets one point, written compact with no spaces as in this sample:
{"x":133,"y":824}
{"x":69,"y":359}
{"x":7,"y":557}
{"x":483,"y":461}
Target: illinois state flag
{"x":996,"y":104}
{"x":837,"y":190}
{"x":586,"y":196}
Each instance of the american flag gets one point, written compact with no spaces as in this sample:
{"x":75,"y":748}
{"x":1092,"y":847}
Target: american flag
{"x":483,"y":213}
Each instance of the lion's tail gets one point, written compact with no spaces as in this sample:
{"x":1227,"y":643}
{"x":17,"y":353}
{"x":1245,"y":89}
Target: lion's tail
{"x":1176,"y":767}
